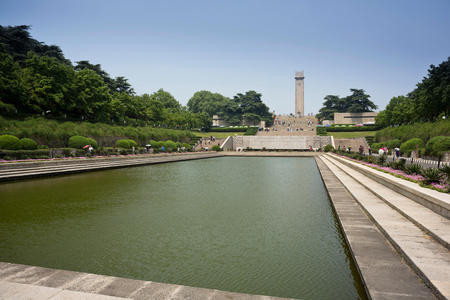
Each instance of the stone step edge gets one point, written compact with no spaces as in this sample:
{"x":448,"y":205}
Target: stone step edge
{"x":401,"y":252}
{"x":430,"y":231}
{"x":434,"y":200}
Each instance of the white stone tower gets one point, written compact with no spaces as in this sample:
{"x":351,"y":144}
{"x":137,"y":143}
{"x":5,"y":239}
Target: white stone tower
{"x":299,"y":93}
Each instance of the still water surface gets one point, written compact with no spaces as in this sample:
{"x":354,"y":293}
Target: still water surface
{"x":250,"y":225}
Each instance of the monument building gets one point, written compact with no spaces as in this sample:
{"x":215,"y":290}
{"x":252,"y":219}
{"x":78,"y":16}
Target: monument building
{"x":299,"y":94}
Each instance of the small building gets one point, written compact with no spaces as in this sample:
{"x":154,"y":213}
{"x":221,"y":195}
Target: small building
{"x":352,"y":118}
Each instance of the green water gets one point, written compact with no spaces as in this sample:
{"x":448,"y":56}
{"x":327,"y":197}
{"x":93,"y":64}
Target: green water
{"x":250,"y":225}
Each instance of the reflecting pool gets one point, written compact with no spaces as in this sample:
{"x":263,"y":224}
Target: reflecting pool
{"x":258,"y":225}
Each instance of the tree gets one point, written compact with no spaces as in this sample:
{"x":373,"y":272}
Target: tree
{"x":205,"y":101}
{"x":122,"y":86}
{"x":358,"y":101}
{"x":169,"y":102}
{"x":93,"y":99}
{"x":85,"y":64}
{"x":251,"y":104}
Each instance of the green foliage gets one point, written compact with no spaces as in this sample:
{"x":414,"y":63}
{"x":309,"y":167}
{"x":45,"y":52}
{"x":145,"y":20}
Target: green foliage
{"x":171,"y":145}
{"x":321,"y":131}
{"x":413,"y":169}
{"x":328,"y":148}
{"x":251,"y":131}
{"x":153,"y":143}
{"x":393,"y":144}
{"x":79,"y":142}
{"x":430,"y":144}
{"x":229,"y":129}
{"x":442,"y":145}
{"x":187,"y":146}
{"x":381,"y":160}
{"x":377,"y":146}
{"x":216,"y":148}
{"x":123,"y":144}
{"x":411,"y":145}
{"x":358,"y":101}
{"x":424,"y":131}
{"x":431,"y":175}
{"x":429,"y":101}
{"x":10,"y":142}
{"x":28,"y":144}
{"x":162,"y":144}
{"x":25,"y":154}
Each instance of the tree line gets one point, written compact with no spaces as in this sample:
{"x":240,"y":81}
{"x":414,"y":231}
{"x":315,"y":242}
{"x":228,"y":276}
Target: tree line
{"x":429,"y":101}
{"x":358,"y":101}
{"x":37,"y":79}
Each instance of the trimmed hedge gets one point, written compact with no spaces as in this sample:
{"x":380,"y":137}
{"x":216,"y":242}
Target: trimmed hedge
{"x":24,"y":154}
{"x":442,"y":145}
{"x":328,"y":148}
{"x":126,"y":144}
{"x":410,"y":145}
{"x":229,"y":129}
{"x":393,"y":144}
{"x":10,"y":142}
{"x":79,"y":142}
{"x":216,"y":148}
{"x":251,"y":131}
{"x":171,"y":145}
{"x":431,"y":142}
{"x":29,"y":144}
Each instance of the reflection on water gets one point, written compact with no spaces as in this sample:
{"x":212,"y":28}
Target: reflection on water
{"x":250,"y":225}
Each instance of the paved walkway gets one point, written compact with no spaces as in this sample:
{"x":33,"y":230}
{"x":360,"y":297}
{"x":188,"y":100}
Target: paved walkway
{"x":378,"y":222}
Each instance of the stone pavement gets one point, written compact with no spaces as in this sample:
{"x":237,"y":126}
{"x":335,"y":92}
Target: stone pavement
{"x":20,"y":282}
{"x":379,"y":222}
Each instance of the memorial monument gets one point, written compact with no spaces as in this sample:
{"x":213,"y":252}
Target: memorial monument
{"x":299,"y":94}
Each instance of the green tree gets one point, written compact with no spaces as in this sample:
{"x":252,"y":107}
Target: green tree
{"x":205,"y":101}
{"x":358,"y":101}
{"x":169,"y":102}
{"x":93,"y":99}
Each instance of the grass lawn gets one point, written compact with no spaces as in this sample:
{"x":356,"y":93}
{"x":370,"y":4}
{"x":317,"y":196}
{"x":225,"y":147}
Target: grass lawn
{"x":351,"y":135}
{"x":218,"y":135}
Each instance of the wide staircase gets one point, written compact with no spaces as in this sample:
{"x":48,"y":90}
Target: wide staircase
{"x":413,"y":219}
{"x":290,"y":125}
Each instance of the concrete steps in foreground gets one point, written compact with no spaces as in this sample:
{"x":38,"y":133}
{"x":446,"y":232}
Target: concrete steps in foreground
{"x":420,"y":235}
{"x":15,"y":171}
{"x":29,"y":282}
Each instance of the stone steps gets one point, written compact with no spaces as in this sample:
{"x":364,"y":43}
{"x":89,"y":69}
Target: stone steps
{"x":15,"y":171}
{"x":419,"y":234}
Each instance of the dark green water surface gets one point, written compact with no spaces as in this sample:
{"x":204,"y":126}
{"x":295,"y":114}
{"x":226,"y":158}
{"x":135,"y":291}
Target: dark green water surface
{"x":251,"y":225}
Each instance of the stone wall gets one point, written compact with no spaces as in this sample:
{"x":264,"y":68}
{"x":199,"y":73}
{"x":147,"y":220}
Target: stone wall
{"x":355,"y":118}
{"x":281,"y":142}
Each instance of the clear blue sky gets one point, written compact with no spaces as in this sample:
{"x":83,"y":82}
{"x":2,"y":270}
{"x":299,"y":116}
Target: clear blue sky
{"x":232,"y":46}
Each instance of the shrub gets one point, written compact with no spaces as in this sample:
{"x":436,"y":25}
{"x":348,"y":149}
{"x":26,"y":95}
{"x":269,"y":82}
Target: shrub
{"x":162,"y":144}
{"x":431,"y":175}
{"x":29,"y":144}
{"x":216,"y":148}
{"x":413,"y":169}
{"x":411,"y":145}
{"x":79,"y":142}
{"x":25,"y":154}
{"x":442,"y":145}
{"x":393,"y":144}
{"x":153,"y":143}
{"x":187,"y":146}
{"x":376,"y":146}
{"x":123,"y":144}
{"x":10,"y":142}
{"x":132,"y":143}
{"x":171,"y":145}
{"x":328,"y":148}
{"x":93,"y":143}
{"x":430,"y":144}
{"x":179,"y":145}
